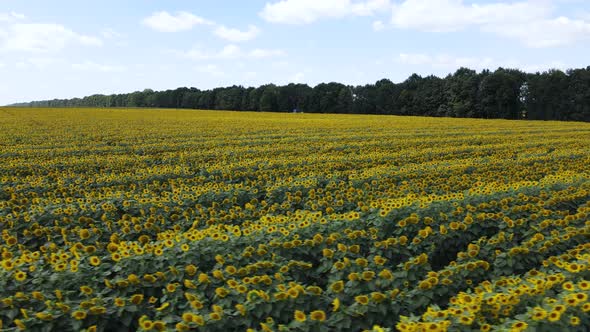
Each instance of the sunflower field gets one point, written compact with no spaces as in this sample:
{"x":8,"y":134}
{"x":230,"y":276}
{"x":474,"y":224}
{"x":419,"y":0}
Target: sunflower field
{"x":164,"y":220}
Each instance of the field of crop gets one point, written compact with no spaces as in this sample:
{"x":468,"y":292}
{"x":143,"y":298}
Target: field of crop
{"x":117,"y":220}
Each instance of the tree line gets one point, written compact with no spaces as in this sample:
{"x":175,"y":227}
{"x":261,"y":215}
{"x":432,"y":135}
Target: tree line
{"x":501,"y":94}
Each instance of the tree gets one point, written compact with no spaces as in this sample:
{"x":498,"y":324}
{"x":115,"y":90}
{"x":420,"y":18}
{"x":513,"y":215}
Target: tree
{"x":504,"y":93}
{"x":268,"y":99}
{"x":499,"y":95}
{"x":461,"y":90}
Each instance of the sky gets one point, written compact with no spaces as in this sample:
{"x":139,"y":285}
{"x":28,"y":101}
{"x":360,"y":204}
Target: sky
{"x":64,"y":49}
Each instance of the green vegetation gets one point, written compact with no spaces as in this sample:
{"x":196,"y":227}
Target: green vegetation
{"x":502,"y":94}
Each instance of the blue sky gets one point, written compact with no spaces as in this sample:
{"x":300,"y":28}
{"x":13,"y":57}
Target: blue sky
{"x":63,"y":49}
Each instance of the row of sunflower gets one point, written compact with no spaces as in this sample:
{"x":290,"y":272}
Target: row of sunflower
{"x":117,"y":220}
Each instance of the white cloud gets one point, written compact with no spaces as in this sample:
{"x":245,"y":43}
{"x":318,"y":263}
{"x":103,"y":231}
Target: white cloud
{"x":453,"y":15}
{"x":446,"y":62}
{"x":181,"y":21}
{"x":230,"y":51}
{"x":39,"y":62}
{"x":529,"y":22}
{"x":11,"y":17}
{"x":193,"y":54}
{"x":546,"y":33}
{"x":309,"y":11}
{"x":96,"y":67}
{"x":109,"y":33}
{"x":297,"y":77}
{"x":266,"y":53}
{"x":378,"y":26}
{"x":235,"y":35}
{"x":42,"y":37}
{"x":280,"y":64}
{"x":210,"y":69}
{"x":42,"y":62}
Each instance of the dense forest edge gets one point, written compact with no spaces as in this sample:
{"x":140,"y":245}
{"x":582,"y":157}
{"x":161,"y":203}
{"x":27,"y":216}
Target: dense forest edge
{"x":501,"y":94}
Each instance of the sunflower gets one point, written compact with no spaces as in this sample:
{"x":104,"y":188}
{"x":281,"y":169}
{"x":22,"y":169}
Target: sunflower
{"x":318,"y":315}
{"x":182,"y":327}
{"x":86,"y":290}
{"x":190,"y":269}
{"x":20,"y":276}
{"x":159,"y":325}
{"x":97,"y":310}
{"x":568,"y":285}
{"x":79,"y":315}
{"x":368,"y":275}
{"x":241,"y":309}
{"x":171,"y":288}
{"x":539,"y":314}
{"x":137,"y":298}
{"x":203,"y":278}
{"x":163,"y":306}
{"x":337,"y":286}
{"x":519,"y":326}
{"x":94,"y":261}
{"x":574,"y":321}
{"x":554,"y":316}
{"x":221,"y":292}
{"x":336,"y":304}
{"x":188,"y":317}
{"x":362,"y":299}
{"x":44,"y":316}
{"x":119,"y":302}
{"x":146,"y":324}
{"x":378,"y":297}
{"x":300,"y":316}
{"x":386,"y":274}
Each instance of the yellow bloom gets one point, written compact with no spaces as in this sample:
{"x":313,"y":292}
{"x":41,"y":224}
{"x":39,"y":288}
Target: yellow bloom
{"x":94,"y":261}
{"x":188,"y":317}
{"x":97,"y":310}
{"x":44,"y":316}
{"x":378,"y":297}
{"x":362,"y":299}
{"x":519,"y":326}
{"x":137,"y":299}
{"x":119,"y":302}
{"x":86,"y":290}
{"x":182,"y":327}
{"x":221,"y":292}
{"x":20,"y":325}
{"x":368,"y":275}
{"x":190,"y":269}
{"x":241,"y":309}
{"x":20,"y":276}
{"x":318,"y":315}
{"x":79,"y":315}
{"x":574,"y":320}
{"x":336,"y":304}
{"x":146,"y":324}
{"x":163,"y":306}
{"x":337,"y":287}
{"x":300,"y":316}
{"x":554,"y":316}
{"x":203,"y":278}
